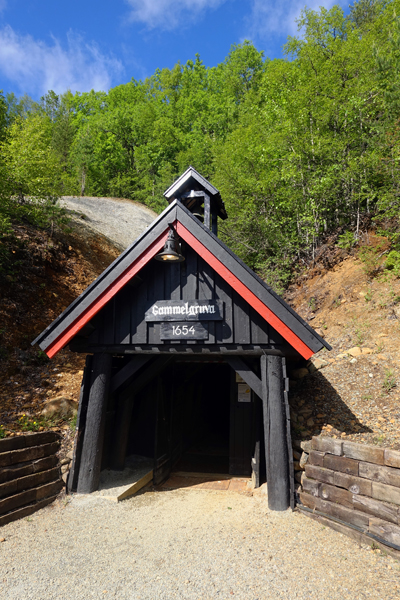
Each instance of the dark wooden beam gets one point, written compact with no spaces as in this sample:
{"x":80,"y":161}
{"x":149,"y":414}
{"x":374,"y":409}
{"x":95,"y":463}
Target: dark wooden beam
{"x":127,"y":373}
{"x":288,"y":434}
{"x":193,"y":194}
{"x":207,"y":211}
{"x":214,"y":222}
{"x":246,"y":373}
{"x":276,"y":449}
{"x":72,"y":481}
{"x":89,"y":472}
{"x":125,"y":408}
{"x":217,"y":350}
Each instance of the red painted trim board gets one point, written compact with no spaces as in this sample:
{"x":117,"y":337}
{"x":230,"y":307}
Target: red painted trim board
{"x":106,"y":296}
{"x":243,"y":291}
{"x":215,"y":263}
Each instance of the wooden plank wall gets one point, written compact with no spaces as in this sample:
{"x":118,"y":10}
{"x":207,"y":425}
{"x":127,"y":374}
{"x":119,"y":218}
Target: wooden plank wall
{"x":122,"y":320}
{"x":355,"y":483}
{"x":30,"y":475}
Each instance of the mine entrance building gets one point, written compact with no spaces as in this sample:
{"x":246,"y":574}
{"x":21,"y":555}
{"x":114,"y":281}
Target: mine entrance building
{"x":186,"y":355}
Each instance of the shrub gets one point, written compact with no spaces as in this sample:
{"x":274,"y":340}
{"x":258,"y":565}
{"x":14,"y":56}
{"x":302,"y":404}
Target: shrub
{"x":393,"y":262}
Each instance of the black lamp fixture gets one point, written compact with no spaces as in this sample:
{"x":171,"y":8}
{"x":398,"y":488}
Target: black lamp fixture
{"x":171,"y":251}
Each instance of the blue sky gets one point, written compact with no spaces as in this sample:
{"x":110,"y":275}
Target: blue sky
{"x":97,"y":44}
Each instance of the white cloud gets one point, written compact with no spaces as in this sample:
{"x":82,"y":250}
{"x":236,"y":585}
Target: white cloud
{"x":168,"y":14}
{"x":36,"y":67}
{"x":279,"y":18}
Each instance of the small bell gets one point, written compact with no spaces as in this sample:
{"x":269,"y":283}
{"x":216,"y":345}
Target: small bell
{"x":171,"y":251}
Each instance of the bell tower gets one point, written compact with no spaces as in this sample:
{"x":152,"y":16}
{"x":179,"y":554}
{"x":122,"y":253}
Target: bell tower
{"x":199,"y":196}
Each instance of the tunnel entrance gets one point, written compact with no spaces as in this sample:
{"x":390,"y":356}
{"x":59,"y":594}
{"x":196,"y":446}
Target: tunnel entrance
{"x":205,"y":405}
{"x":197,"y":417}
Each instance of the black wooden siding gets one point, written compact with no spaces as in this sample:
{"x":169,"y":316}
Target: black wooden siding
{"x":121,"y":321}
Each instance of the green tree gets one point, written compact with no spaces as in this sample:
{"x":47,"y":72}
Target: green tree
{"x":31,"y":171}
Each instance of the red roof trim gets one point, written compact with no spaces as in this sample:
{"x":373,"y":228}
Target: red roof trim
{"x":244,"y":291}
{"x":214,"y":262}
{"x":106,"y":296}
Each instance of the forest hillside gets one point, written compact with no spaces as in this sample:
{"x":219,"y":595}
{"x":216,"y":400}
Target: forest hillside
{"x":298,"y":146}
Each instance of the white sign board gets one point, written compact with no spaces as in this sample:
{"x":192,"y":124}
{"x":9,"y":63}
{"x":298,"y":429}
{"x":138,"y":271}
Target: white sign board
{"x":244,"y":393}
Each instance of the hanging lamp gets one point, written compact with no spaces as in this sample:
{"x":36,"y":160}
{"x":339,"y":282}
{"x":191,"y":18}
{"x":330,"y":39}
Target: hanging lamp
{"x":171,"y":251}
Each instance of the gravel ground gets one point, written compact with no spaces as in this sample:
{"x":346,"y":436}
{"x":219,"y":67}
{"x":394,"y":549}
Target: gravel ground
{"x":121,"y":221}
{"x":183,"y":544}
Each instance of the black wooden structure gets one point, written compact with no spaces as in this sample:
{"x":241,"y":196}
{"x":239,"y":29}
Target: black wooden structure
{"x":186,"y":361}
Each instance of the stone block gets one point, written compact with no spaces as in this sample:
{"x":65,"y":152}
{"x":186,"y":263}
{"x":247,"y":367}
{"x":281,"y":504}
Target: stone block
{"x":367,"y":453}
{"x":33,"y":453}
{"x":335,"y":494}
{"x":14,"y":443}
{"x":392,"y":458}
{"x":320,"y":474}
{"x":310,"y":486}
{"x":316,"y":458}
{"x":306,"y":446}
{"x":50,"y":489}
{"x":327,"y":444}
{"x":5,"y":459}
{"x":356,"y":485}
{"x":387,"y":531}
{"x":303,"y":460}
{"x":387,"y":493}
{"x":13,"y":502}
{"x":376,"y":508}
{"x":348,"y":515}
{"x":341,"y":464}
{"x":386,"y":475}
{"x":298,"y":476}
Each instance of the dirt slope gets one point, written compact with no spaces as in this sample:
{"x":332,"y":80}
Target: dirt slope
{"x":49,"y":274}
{"x":356,"y":395}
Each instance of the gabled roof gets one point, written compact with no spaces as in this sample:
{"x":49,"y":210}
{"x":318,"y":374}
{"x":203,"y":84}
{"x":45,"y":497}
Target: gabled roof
{"x":192,"y":180}
{"x":242,"y":279}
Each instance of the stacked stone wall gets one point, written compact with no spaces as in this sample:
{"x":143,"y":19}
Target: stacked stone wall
{"x":353,"y":484}
{"x":29,"y":474}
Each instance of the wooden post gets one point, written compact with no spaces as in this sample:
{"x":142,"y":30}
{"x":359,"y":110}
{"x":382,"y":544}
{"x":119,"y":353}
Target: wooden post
{"x":207,"y":211}
{"x":80,"y":426}
{"x":122,"y":425}
{"x":214,"y":221}
{"x":89,"y":472}
{"x":276,"y":450}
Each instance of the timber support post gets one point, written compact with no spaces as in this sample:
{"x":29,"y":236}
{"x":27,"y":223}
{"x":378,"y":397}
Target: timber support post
{"x":276,"y":449}
{"x":122,"y":425}
{"x":72,"y":481}
{"x":89,"y":472}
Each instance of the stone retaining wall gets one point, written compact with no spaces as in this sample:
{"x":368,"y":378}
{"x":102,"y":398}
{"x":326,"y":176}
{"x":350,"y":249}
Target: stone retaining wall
{"x":29,"y":474}
{"x":353,"y":483}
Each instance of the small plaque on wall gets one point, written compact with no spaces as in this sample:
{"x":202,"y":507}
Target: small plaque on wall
{"x":196,"y":330}
{"x":182,"y":310}
{"x":244,"y":393}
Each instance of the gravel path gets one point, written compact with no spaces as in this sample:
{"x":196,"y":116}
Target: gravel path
{"x":121,"y":221}
{"x":187,"y":545}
